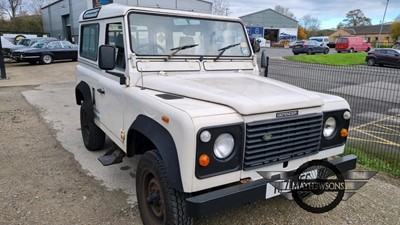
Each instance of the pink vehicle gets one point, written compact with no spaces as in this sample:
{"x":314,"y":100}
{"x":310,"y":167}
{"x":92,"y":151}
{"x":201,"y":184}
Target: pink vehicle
{"x":351,"y":44}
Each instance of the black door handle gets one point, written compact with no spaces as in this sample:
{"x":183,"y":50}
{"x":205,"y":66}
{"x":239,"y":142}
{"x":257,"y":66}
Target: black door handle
{"x":101,"y":91}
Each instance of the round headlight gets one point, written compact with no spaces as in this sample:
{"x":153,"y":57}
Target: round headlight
{"x":205,"y":136}
{"x":223,"y":146}
{"x":346,"y":115}
{"x":329,"y":126}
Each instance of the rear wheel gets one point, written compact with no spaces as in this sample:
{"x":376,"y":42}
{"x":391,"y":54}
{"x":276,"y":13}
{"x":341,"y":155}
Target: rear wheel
{"x":159,"y":203}
{"x":46,"y":59}
{"x":93,"y":137}
{"x":309,"y":51}
{"x":32,"y":62}
{"x":367,"y":50}
{"x":296,"y":53}
{"x":371,"y":61}
{"x":339,"y":51}
{"x":351,"y":50}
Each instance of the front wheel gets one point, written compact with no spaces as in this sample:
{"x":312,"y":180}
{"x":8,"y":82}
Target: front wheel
{"x":309,"y":51}
{"x":159,"y":203}
{"x":368,"y":49}
{"x":93,"y":137}
{"x":326,"y":51}
{"x":351,"y":50}
{"x":371,"y":61}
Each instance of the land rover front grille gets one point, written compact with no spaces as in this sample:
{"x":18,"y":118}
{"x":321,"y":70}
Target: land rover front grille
{"x":279,"y":140}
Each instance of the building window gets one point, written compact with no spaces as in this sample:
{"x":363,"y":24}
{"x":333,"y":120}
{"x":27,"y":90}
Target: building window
{"x":89,"y":41}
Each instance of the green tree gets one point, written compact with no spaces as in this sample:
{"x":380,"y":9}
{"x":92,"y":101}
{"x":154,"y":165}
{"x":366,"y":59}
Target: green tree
{"x":395,"y":31}
{"x":355,"y":18}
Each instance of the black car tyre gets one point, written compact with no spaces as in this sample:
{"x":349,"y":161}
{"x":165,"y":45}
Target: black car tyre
{"x":371,"y":62}
{"x":309,"y":51}
{"x":158,"y":202}
{"x":351,"y":50}
{"x":326,"y":51}
{"x":93,"y":137}
{"x":339,"y":51}
{"x":367,"y":50}
{"x":296,"y":53}
{"x":33,"y":62}
{"x":46,"y":59}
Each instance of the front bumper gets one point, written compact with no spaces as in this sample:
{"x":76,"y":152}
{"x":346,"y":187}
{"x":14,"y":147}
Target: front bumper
{"x":237,"y":195}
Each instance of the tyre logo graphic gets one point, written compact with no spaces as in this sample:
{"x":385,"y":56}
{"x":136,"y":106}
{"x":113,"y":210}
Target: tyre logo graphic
{"x":318,"y":186}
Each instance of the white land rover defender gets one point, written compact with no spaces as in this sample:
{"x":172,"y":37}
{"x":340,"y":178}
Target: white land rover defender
{"x":183,"y":90}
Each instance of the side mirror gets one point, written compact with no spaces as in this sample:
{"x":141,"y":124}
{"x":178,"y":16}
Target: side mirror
{"x":264,"y":59}
{"x":107,"y":56}
{"x":265,"y":62}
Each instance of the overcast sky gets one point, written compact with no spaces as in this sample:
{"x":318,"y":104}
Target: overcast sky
{"x":330,"y":13}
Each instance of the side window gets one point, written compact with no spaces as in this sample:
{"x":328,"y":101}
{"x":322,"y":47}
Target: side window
{"x":89,"y":41}
{"x":66,"y":44}
{"x":115,"y":37}
{"x":54,"y":45}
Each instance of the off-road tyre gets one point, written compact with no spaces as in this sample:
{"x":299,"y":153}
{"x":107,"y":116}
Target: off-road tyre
{"x":152,"y":184}
{"x":93,"y":137}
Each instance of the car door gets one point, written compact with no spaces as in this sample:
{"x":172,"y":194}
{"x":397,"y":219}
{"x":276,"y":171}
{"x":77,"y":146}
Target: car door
{"x":56,"y":49}
{"x":393,"y":57}
{"x":68,"y":51}
{"x":109,"y":92}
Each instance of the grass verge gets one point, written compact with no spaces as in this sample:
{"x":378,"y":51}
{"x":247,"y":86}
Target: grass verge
{"x":375,"y":161}
{"x":342,"y":59}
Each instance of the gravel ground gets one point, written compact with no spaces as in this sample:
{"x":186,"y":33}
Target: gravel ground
{"x":42,"y":183}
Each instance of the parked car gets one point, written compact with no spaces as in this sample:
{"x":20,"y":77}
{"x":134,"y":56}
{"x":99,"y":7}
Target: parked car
{"x":383,"y":56}
{"x":255,"y":44}
{"x":322,"y":40}
{"x":397,"y":46}
{"x":352,"y":44}
{"x":6,"y":46}
{"x":46,"y":52}
{"x":309,"y":47}
{"x":24,"y":43}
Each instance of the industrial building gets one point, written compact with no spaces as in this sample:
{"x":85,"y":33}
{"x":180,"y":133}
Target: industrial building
{"x":271,"y":25}
{"x":60,"y":18}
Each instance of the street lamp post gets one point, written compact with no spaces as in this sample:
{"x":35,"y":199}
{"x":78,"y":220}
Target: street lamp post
{"x":383,"y":20}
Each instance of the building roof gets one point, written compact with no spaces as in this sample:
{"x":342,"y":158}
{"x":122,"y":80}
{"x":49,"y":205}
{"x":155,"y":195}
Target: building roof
{"x":373,"y":29}
{"x":266,"y":10}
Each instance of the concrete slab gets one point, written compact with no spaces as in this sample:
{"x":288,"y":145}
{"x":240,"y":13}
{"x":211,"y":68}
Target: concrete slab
{"x":57,"y":105}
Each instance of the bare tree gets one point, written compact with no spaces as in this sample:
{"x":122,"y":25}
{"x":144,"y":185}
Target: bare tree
{"x":36,"y":6}
{"x":284,"y":11}
{"x":11,"y":7}
{"x":221,"y":7}
{"x":310,"y":23}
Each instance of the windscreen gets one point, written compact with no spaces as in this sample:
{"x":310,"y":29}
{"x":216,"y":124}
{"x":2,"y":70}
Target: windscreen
{"x":165,"y":35}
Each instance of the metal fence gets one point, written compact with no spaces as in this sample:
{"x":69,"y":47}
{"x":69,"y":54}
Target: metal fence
{"x":374,"y":97}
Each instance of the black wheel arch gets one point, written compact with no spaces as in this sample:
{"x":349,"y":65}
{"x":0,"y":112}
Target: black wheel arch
{"x":155,"y":136}
{"x":82,"y":92}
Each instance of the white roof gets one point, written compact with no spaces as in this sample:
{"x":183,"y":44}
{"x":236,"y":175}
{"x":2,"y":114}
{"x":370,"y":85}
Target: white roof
{"x":116,"y":10}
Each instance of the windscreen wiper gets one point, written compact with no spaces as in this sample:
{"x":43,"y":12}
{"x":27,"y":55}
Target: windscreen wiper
{"x":177,"y":49}
{"x":222,"y":50}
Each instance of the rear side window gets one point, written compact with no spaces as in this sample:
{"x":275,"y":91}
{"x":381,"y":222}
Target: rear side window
{"x":342,"y":40}
{"x":89,"y":41}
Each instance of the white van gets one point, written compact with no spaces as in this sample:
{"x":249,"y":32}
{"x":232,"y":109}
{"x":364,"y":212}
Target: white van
{"x":323,"y":40}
